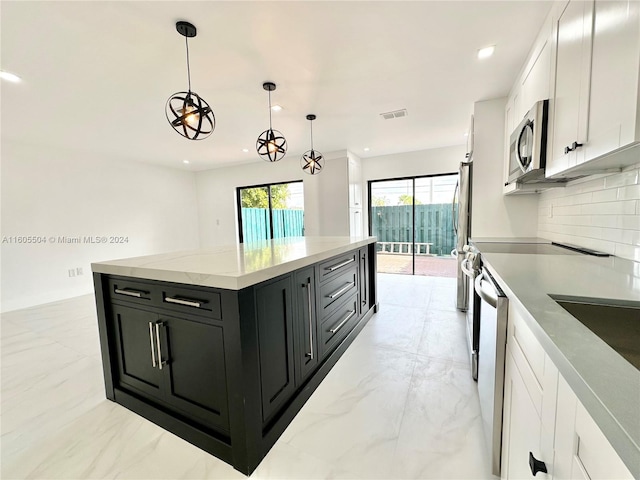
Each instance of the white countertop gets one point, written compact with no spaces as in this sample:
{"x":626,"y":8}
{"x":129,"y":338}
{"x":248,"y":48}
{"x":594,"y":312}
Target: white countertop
{"x":233,"y":266}
{"x":606,"y":384}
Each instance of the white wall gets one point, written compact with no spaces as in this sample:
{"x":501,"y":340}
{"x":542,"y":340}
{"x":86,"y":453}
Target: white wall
{"x":326,"y":199}
{"x":409,"y":164}
{"x":493,"y":214}
{"x":52,"y":193}
{"x":600,"y":212}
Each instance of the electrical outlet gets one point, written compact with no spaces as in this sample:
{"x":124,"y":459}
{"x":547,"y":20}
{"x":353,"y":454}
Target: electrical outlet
{"x":72,"y":272}
{"x":79,"y":271}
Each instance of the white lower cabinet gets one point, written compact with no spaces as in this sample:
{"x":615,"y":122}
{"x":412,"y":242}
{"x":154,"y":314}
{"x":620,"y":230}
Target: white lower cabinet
{"x":582,"y":450}
{"x":529,"y":404}
{"x":543,"y":418}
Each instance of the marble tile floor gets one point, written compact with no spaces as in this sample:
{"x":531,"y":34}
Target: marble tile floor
{"x":399,"y":404}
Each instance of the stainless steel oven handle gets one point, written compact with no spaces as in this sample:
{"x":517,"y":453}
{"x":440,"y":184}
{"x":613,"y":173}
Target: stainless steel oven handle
{"x":464,"y":266}
{"x":486,"y":291}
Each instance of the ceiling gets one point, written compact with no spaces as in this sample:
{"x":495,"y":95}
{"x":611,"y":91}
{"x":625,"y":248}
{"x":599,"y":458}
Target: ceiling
{"x":96,"y":75}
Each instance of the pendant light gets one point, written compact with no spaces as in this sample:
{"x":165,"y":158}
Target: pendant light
{"x":312,"y":161}
{"x":187,"y":112}
{"x":271,"y":144}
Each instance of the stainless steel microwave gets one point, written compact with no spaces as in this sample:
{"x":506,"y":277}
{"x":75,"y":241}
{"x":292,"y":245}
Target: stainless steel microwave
{"x":528,"y":146}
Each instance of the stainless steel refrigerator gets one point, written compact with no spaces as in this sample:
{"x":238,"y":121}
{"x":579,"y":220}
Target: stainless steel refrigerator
{"x":462,"y":227}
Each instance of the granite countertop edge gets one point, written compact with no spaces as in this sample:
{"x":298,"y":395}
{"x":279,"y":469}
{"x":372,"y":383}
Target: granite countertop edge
{"x":230,"y":280}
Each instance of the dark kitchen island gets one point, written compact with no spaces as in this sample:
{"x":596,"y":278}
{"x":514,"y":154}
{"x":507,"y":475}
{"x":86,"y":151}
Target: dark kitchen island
{"x":223,"y":346}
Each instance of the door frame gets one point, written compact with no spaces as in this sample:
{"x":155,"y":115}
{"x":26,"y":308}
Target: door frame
{"x":413,"y":206}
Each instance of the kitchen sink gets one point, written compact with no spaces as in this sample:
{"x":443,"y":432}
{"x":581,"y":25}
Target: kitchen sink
{"x":617,"y":323}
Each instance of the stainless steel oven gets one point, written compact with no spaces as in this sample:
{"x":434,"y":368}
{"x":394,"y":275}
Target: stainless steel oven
{"x":494,"y":309}
{"x":470,"y":267}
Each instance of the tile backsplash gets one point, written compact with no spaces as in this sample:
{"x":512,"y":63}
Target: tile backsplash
{"x":600,"y":212}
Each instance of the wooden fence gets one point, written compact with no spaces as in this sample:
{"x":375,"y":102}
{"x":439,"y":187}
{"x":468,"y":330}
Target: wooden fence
{"x":434,"y":225}
{"x":286,"y":223}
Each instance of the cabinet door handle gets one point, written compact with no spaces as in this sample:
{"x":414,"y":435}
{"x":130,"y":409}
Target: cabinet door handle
{"x":342,"y":290}
{"x":340,"y":265}
{"x":344,"y":320}
{"x":567,"y":150}
{"x":130,"y":293}
{"x":575,"y":145}
{"x":153,"y":353}
{"x":183,"y":301}
{"x":161,"y":362}
{"x":536,"y":465}
{"x":308,"y":287}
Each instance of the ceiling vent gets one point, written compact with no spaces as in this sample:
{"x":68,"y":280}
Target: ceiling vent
{"x":394,"y":114}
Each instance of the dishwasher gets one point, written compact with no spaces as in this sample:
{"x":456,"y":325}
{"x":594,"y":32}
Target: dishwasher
{"x":494,"y":307}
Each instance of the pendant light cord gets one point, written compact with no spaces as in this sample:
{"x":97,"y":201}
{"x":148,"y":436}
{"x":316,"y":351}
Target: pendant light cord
{"x":270,"y":126}
{"x":311,"y":121}
{"x":188,"y":68}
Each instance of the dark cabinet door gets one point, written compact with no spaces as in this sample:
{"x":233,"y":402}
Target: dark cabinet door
{"x":364,"y":281}
{"x":136,"y":350}
{"x":306,"y":346}
{"x":275,"y":337}
{"x":196,"y":381}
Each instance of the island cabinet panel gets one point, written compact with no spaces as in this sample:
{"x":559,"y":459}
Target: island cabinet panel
{"x":228,"y":370}
{"x":276,"y":339}
{"x":306,"y":345}
{"x":175,"y":362}
{"x":194,"y":357}
{"x":135,"y":348}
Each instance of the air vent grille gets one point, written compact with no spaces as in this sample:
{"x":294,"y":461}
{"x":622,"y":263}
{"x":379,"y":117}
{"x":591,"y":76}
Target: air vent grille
{"x":394,"y":114}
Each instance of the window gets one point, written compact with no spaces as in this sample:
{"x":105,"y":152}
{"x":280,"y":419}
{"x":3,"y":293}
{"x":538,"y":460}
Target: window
{"x":270,"y":211}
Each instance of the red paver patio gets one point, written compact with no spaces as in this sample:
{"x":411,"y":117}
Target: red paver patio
{"x":425,"y":265}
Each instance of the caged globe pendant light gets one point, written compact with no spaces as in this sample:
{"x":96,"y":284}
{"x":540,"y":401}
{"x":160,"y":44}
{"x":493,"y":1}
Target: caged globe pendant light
{"x":187,"y":112}
{"x":312,"y":161}
{"x":271,"y":144}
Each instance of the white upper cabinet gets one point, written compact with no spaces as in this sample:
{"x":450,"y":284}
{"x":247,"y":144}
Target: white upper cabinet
{"x":570,"y":106}
{"x":613,"y":106}
{"x":595,"y":107}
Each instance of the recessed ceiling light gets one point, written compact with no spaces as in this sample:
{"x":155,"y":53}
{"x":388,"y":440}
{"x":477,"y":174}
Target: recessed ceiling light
{"x":186,"y":162}
{"x":10,"y":77}
{"x":486,"y":52}
{"x":366,"y":149}
{"x":245,"y":150}
{"x":276,"y":108}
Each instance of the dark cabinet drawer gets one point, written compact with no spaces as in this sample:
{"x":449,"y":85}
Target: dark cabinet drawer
{"x":335,"y":291}
{"x":131,"y":290}
{"x":191,"y":300}
{"x":336,"y":265}
{"x":338,"y":325}
{"x":167,"y":296}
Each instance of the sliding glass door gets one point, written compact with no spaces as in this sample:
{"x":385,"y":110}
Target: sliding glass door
{"x":413,"y":220}
{"x":270,"y":211}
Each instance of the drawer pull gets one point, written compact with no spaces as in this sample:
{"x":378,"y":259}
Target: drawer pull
{"x":340,"y":265}
{"x":153,"y":353}
{"x":342,"y":290}
{"x":161,"y":362}
{"x":182,"y":301}
{"x":308,"y":286}
{"x":130,"y":293}
{"x":344,"y":320}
